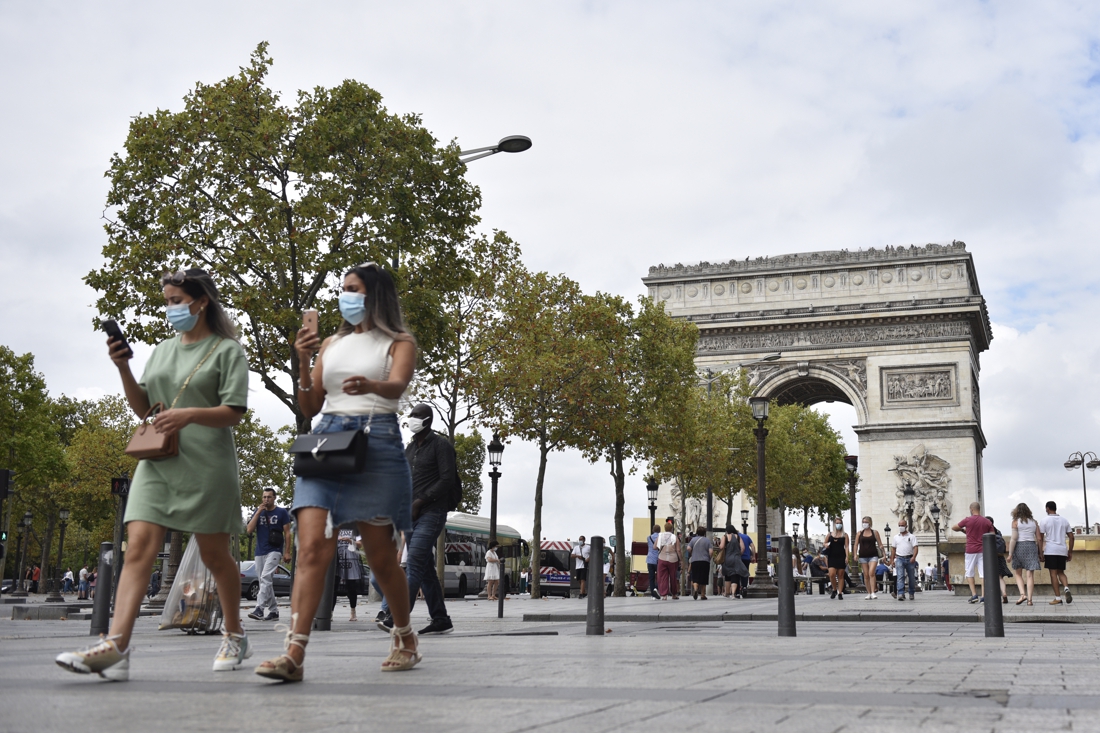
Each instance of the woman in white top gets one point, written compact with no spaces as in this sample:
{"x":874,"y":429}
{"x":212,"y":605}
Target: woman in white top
{"x":668,"y":558}
{"x":492,"y":571}
{"x":1024,"y":551}
{"x":358,"y":378}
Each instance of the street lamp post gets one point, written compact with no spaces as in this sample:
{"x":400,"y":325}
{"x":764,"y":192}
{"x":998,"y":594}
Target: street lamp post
{"x":795,"y":526}
{"x":20,"y":583}
{"x":1082,"y":461}
{"x":744,"y":521}
{"x":651,"y":490}
{"x":762,"y":587}
{"x":886,"y":531}
{"x":55,"y":589}
{"x":851,"y":463}
{"x":935,"y":510}
{"x":496,"y":450}
{"x":910,"y":497}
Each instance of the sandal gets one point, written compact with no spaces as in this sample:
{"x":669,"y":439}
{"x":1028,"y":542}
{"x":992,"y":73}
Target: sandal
{"x":283,"y":667}
{"x":401,"y":658}
{"x":1022,"y":599}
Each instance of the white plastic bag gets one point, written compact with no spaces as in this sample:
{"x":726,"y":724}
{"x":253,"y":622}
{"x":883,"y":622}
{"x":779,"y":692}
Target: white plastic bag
{"x":193,"y":600}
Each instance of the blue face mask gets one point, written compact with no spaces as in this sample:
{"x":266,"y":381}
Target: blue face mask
{"x":353,"y":307}
{"x":181,"y":318}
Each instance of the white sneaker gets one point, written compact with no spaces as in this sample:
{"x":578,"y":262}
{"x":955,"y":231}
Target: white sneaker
{"x":103,"y":658}
{"x":874,"y":596}
{"x":867,"y":597}
{"x":234,"y":650}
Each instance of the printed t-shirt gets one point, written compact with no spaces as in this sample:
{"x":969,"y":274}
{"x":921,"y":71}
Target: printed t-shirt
{"x":276,"y":519}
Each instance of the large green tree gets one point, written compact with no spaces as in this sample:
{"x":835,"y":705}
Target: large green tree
{"x":278,"y":201}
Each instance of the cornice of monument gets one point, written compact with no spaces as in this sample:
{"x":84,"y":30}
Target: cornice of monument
{"x":811,"y":260}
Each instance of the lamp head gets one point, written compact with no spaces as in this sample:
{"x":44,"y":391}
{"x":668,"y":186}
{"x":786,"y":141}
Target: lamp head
{"x":1092,"y":465}
{"x":514,"y":144}
{"x":794,"y":526}
{"x":651,"y":490}
{"x":1072,"y":464}
{"x":744,"y":515}
{"x":759,"y":407}
{"x":886,"y":529}
{"x":496,"y":450}
{"x":851,"y":463}
{"x":64,"y":514}
{"x":935,"y":509}
{"x":27,"y":519}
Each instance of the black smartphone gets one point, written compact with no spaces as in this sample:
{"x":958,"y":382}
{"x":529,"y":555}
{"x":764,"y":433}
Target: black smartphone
{"x":113,"y":332}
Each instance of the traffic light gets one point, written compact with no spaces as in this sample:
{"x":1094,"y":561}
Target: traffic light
{"x":120,"y":486}
{"x":5,"y":483}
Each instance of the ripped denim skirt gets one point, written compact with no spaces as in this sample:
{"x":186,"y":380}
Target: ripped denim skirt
{"x":381,"y":495}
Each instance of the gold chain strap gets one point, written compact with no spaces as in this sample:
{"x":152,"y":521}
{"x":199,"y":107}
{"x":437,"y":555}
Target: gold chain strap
{"x":194,"y":371}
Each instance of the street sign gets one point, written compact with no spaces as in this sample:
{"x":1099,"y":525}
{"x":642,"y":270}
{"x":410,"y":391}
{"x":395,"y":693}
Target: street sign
{"x":162,"y":555}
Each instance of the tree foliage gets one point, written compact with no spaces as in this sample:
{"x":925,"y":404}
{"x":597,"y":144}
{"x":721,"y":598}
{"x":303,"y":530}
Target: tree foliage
{"x":278,"y":201}
{"x":805,"y":462}
{"x":470,"y":459}
{"x":263,"y":461}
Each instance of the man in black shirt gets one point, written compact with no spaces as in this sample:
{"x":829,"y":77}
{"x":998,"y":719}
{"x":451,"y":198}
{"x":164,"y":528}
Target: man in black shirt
{"x":432,"y":460}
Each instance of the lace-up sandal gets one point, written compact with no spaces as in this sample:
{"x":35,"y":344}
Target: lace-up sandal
{"x":401,"y":657}
{"x":283,"y":667}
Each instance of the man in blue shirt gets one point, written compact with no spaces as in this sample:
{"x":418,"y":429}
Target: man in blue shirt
{"x":748,"y":556}
{"x":651,"y":560}
{"x":273,"y":545}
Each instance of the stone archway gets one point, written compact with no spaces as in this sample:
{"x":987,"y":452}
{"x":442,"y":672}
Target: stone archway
{"x":895,"y":332}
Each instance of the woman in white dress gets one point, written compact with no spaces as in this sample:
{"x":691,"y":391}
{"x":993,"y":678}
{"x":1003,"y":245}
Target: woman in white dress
{"x":492,"y":571}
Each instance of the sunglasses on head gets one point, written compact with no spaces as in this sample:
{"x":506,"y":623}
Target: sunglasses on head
{"x":178,"y":278}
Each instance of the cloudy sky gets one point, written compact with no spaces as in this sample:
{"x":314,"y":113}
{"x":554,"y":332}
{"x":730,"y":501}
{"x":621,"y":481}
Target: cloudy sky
{"x":663,"y":132}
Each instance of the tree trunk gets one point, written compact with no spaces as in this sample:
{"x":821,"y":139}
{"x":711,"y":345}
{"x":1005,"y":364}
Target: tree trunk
{"x":45,"y":575}
{"x":806,"y":525}
{"x":729,"y":511}
{"x":536,"y":541}
{"x":620,"y":533}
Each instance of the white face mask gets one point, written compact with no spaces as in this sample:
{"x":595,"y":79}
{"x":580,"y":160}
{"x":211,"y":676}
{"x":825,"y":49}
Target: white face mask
{"x":839,"y":525}
{"x":416,"y":424}
{"x":903,"y":529}
{"x":866,"y":525}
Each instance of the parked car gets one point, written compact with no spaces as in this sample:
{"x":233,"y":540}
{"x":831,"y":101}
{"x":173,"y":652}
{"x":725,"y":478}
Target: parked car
{"x":7,"y":585}
{"x":250,"y":584}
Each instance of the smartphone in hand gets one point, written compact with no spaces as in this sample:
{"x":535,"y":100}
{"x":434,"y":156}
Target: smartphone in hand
{"x":114,"y":333}
{"x":309,"y":320}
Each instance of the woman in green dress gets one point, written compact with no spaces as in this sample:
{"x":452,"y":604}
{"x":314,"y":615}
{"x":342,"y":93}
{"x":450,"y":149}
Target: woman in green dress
{"x":201,"y":376}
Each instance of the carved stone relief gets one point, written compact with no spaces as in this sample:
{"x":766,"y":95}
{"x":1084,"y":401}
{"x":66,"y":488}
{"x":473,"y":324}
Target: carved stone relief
{"x":899,"y":333}
{"x":921,"y":385}
{"x":927,"y":474}
{"x":854,"y":369}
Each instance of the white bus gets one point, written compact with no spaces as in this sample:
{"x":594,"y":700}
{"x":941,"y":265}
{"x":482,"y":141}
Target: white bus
{"x":466,"y":542}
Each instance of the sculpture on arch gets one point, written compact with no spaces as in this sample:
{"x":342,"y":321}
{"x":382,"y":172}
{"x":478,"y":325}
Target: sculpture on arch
{"x":927,"y":474}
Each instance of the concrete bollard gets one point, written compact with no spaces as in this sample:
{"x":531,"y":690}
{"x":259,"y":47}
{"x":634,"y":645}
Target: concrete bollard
{"x":322,"y":619}
{"x":785,"y":575}
{"x":595,"y":589}
{"x":502,"y":593}
{"x":101,"y":604}
{"x":994,"y":616}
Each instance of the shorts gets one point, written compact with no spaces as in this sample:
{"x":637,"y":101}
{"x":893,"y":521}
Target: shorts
{"x":871,"y":560}
{"x":974,"y":564}
{"x":580,"y":573}
{"x":1056,"y":562}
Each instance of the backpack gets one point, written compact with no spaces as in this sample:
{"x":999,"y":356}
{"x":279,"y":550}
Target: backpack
{"x":1001,"y":549}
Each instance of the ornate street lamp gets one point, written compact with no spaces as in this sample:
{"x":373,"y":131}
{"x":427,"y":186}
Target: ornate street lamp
{"x":496,"y":450}
{"x":794,"y":526}
{"x":886,"y":531}
{"x":55,"y":581}
{"x":851,"y":463}
{"x":744,"y":521}
{"x":1082,"y":461}
{"x":935,"y":510}
{"x":762,"y":587}
{"x":651,"y":490}
{"x":910,"y":497}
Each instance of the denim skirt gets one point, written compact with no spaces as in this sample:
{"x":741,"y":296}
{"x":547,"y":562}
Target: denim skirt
{"x":382,"y":494}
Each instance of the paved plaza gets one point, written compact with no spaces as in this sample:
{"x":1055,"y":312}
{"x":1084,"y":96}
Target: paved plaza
{"x":516,"y":675}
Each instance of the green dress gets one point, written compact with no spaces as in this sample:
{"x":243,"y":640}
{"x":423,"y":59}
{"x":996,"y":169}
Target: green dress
{"x":198,"y":490}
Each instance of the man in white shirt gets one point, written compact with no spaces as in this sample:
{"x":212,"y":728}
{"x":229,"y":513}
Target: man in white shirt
{"x":581,"y":553}
{"x":1056,"y":544}
{"x":903,"y":556}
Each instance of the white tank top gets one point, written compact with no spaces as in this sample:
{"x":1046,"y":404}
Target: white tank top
{"x":1025,"y":530}
{"x":364,"y":354}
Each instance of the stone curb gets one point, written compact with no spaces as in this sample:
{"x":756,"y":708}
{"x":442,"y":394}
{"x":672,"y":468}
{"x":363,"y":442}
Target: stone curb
{"x":882,"y":617}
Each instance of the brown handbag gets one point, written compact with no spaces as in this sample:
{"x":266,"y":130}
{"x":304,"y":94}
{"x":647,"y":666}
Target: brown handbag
{"x":147,"y":443}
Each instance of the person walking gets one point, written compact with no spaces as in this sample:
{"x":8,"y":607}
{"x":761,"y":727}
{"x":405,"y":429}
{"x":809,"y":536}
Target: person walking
{"x":202,"y":376}
{"x":67,"y":579}
{"x":836,"y":550}
{"x":580,"y":555}
{"x":651,"y":559}
{"x":356,"y":381}
{"x":668,"y":558}
{"x":748,"y":558}
{"x":82,"y":587}
{"x":903,"y":556}
{"x":272,"y":526}
{"x":1023,"y":548}
{"x":869,"y":549}
{"x":349,"y":571}
{"x":699,"y":556}
{"x":492,"y":572}
{"x":975,"y":527}
{"x":1056,"y":545}
{"x":733,"y":567}
{"x":36,"y":575}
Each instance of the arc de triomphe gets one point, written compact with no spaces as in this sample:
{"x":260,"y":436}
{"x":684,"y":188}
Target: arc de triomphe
{"x":894,"y":332}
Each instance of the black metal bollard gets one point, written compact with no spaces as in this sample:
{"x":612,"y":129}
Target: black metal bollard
{"x":502,"y":592}
{"x":785,"y":575}
{"x":322,"y":619}
{"x":994,"y":616}
{"x":595,"y":589}
{"x":101,"y":605}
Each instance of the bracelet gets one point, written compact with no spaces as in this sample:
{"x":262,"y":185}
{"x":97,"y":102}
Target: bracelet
{"x":306,"y":389}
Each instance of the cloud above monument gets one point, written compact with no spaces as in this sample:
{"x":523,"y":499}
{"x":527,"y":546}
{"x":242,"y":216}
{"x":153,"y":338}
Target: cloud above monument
{"x":662,"y":133}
